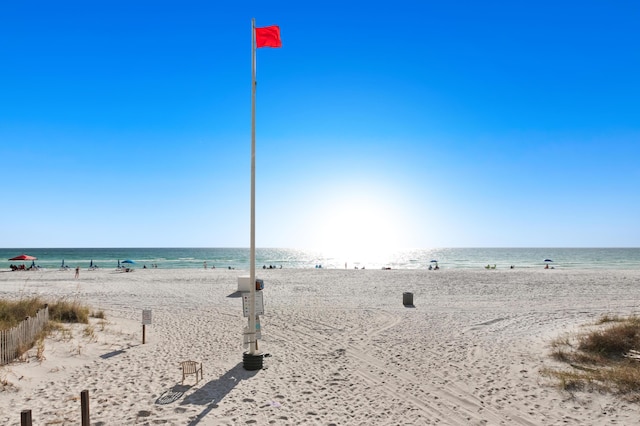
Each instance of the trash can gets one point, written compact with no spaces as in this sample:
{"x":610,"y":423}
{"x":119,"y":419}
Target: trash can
{"x":407,"y":299}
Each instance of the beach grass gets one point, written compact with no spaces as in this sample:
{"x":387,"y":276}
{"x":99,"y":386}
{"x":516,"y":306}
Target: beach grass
{"x":63,"y":310}
{"x":69,"y":311}
{"x":600,"y":359}
{"x":98,"y":314}
{"x":12,"y":312}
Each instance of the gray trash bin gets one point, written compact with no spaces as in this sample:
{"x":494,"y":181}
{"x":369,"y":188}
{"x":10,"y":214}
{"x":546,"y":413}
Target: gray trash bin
{"x":407,"y":299}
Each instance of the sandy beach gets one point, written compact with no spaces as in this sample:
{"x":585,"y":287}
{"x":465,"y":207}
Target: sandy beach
{"x":341,"y":348}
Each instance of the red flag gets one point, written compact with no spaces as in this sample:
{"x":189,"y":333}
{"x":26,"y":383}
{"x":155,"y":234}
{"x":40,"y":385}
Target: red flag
{"x":268,"y":36}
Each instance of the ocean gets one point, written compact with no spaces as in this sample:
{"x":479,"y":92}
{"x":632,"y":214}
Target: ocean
{"x":238,"y":258}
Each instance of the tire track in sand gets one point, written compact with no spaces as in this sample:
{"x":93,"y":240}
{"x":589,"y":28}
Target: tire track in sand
{"x":336,"y":375}
{"x":426,"y":401}
{"x":456,"y":405}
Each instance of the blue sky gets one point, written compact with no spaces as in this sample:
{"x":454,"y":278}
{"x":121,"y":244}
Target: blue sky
{"x":409,"y":124}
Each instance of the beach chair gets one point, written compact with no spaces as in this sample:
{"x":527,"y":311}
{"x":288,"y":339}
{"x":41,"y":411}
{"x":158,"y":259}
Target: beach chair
{"x":191,"y":367}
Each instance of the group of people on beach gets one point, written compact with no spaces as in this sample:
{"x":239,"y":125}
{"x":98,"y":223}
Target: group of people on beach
{"x":22,"y":267}
{"x":214,"y":266}
{"x":271,"y":267}
{"x":19,"y":267}
{"x":513,"y":266}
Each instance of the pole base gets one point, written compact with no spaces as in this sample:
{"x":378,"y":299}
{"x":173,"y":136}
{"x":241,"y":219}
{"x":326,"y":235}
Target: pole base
{"x":252,"y":362}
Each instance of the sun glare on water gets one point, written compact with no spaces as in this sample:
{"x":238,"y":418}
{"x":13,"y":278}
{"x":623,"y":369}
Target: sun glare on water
{"x":360,"y":229}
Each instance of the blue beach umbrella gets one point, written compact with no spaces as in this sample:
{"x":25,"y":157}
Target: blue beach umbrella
{"x":548,"y":260}
{"x":433,"y":260}
{"x":129,"y":261}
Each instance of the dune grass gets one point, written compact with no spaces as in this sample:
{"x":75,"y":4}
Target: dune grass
{"x":61,"y":311}
{"x":599,"y":359}
{"x":69,"y":311}
{"x":12,"y":312}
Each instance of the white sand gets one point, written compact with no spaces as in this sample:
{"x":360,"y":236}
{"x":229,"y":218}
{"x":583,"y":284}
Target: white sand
{"x":344,"y":350}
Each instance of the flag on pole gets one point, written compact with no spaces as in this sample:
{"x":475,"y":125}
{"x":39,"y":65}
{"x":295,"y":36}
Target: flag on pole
{"x":268,"y":37}
{"x":260,"y":37}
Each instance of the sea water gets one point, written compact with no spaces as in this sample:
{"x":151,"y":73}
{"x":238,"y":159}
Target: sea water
{"x":238,"y":258}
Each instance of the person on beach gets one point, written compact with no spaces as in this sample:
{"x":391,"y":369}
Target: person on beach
{"x":205,"y":264}
{"x":77,"y":272}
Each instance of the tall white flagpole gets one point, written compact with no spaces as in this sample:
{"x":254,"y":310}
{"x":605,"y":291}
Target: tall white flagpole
{"x":252,"y":250}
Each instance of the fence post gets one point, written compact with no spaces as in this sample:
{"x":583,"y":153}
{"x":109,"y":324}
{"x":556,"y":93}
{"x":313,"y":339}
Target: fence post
{"x":84,"y":401}
{"x":25,"y":418}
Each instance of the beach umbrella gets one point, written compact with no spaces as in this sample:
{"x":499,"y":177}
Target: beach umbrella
{"x":433,"y":260}
{"x":548,"y":260}
{"x":129,"y":261}
{"x":24,"y":257}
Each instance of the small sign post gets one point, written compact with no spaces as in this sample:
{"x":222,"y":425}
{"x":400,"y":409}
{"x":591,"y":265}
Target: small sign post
{"x":146,"y":320}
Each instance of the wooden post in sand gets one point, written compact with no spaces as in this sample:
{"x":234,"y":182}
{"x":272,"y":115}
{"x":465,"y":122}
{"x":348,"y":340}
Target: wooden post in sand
{"x":84,"y":407}
{"x":25,"y":418}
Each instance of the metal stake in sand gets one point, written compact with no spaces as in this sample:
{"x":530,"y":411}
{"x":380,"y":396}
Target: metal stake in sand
{"x":267,"y":37}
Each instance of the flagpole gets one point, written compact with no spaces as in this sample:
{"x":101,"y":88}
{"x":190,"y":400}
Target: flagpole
{"x":251,"y":359}
{"x":252,"y":250}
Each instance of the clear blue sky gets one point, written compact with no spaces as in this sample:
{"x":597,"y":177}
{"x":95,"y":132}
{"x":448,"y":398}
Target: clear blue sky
{"x":399,"y":124}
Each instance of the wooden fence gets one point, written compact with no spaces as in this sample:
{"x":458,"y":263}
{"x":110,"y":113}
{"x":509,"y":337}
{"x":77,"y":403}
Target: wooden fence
{"x":22,"y":336}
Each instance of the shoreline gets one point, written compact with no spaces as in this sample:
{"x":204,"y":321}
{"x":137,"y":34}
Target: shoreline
{"x":414,"y":259}
{"x":343,"y":347}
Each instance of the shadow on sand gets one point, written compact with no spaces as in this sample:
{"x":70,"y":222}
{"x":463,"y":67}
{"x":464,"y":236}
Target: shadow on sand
{"x":214,"y":391}
{"x":112,"y":353}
